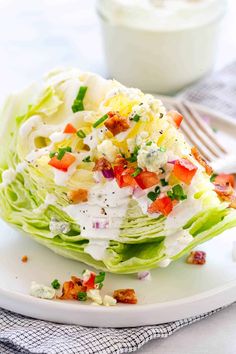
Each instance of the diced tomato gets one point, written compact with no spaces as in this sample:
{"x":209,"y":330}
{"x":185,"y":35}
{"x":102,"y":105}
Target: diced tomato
{"x":146,"y":179}
{"x":224,"y":179}
{"x":70,"y":129}
{"x":64,"y":163}
{"x":123,"y":176}
{"x":161,"y":205}
{"x":176,"y":117}
{"x":184,"y":170}
{"x":90,"y":283}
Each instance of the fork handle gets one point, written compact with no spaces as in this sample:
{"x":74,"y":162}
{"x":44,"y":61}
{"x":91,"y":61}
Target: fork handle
{"x":225,"y":165}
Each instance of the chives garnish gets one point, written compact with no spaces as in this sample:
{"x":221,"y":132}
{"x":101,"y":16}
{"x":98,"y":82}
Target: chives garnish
{"x":87,"y":159}
{"x":162,"y":170}
{"x":163,"y":182}
{"x":52,"y":154}
{"x":81,"y":93}
{"x":162,"y":149}
{"x":82,"y":296}
{"x":78,"y":102}
{"x":213,"y":177}
{"x":149,"y":143}
{"x":134,"y":155}
{"x":62,"y":151}
{"x":157,"y":190}
{"x":55,"y":284}
{"x":177,"y":193}
{"x":100,"y":277}
{"x":136,"y":118}
{"x":100,"y":121}
{"x":81,"y":134}
{"x":152,"y":196}
{"x":136,"y":172}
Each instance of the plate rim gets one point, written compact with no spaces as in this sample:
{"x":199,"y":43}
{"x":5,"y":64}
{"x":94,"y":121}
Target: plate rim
{"x":39,"y":308}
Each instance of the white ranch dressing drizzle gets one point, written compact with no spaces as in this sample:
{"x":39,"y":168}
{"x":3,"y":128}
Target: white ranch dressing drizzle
{"x":49,"y":200}
{"x":9,"y":175}
{"x":106,"y":206}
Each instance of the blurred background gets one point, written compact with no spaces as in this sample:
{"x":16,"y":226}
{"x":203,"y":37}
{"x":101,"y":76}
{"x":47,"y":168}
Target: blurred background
{"x":38,"y":35}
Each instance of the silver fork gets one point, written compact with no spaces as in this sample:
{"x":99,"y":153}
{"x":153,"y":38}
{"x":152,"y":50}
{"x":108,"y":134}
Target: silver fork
{"x":199,"y":134}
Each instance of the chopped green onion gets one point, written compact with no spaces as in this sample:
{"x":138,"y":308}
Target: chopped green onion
{"x":136,"y":172}
{"x":152,"y":196}
{"x":163,"y":182}
{"x":100,"y":277}
{"x":52,"y":154}
{"x":77,"y":106}
{"x":100,"y":285}
{"x":82,"y":296}
{"x":177,"y":193}
{"x":81,"y":134}
{"x":162,"y":149}
{"x":87,"y":159}
{"x":62,"y":151}
{"x":162,"y":170}
{"x":136,"y":118}
{"x":213,"y":177}
{"x":170,"y":195}
{"x":78,"y":102}
{"x":55,"y":284}
{"x":134,"y":154}
{"x":100,"y":121}
{"x":157,"y":190}
{"x":81,"y":93}
{"x":149,"y":143}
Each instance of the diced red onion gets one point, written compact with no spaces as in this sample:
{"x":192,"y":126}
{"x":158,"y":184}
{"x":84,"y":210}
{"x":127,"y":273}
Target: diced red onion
{"x":172,"y":162}
{"x":145,"y":275}
{"x":100,"y":223}
{"x":108,"y":173}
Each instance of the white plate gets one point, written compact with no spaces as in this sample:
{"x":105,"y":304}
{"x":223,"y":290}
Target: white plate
{"x":176,"y":292}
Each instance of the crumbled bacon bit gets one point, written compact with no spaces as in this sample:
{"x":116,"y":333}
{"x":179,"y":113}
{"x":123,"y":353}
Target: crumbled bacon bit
{"x":120,"y":160}
{"x":78,"y":196}
{"x":24,"y":259}
{"x":71,"y":289}
{"x":102,"y":164}
{"x":224,"y":192}
{"x":224,"y":179}
{"x":197,"y":257}
{"x":116,"y":123}
{"x":233,"y":201}
{"x":201,"y":160}
{"x":126,"y":296}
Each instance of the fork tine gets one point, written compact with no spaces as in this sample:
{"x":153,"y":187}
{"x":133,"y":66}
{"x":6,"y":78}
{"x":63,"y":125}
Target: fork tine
{"x":197,"y":135}
{"x":204,"y":127}
{"x":187,"y":132}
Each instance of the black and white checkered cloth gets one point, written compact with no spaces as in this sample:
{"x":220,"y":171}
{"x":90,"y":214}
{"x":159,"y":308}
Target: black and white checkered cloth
{"x":217,"y":91}
{"x":19,"y":334}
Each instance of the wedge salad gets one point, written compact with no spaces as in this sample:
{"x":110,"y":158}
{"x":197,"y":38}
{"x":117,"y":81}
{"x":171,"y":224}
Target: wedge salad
{"x":100,"y":173}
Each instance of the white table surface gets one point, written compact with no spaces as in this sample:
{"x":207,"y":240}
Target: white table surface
{"x":38,"y":35}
